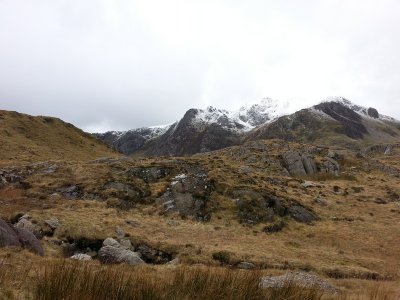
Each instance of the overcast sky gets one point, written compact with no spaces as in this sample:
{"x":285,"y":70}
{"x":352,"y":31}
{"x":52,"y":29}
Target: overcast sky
{"x":119,"y":64}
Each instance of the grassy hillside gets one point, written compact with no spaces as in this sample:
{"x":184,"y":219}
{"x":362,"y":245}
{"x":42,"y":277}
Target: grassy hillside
{"x":352,"y":242}
{"x":28,"y":138}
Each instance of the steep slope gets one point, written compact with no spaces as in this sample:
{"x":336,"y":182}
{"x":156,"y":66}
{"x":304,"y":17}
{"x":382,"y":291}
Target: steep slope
{"x":335,"y":121}
{"x":28,"y":138}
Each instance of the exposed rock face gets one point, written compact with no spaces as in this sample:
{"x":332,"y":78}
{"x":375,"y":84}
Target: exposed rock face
{"x":294,"y":164}
{"x":188,"y":194}
{"x":300,"y":279}
{"x":350,"y":120}
{"x":130,"y":141}
{"x":15,"y":237}
{"x":299,"y":164}
{"x":303,"y":164}
{"x":191,"y":135}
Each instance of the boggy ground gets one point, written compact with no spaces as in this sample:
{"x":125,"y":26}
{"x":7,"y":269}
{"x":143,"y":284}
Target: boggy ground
{"x":240,"y":201}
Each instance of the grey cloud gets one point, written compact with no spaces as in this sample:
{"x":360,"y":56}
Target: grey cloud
{"x":123,"y":64}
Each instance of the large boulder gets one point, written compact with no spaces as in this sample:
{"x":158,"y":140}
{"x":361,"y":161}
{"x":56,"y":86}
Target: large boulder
{"x":113,"y":252}
{"x":16,"y":237}
{"x":26,"y":224}
{"x":117,"y":255}
{"x":8,"y":237}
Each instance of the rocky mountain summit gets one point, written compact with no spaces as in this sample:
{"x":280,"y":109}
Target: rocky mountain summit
{"x":335,"y":121}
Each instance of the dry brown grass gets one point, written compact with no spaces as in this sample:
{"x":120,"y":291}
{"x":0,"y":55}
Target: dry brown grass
{"x":77,"y":281}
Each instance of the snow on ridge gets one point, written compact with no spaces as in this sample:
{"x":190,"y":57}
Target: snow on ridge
{"x":361,"y":110}
{"x":244,"y":119}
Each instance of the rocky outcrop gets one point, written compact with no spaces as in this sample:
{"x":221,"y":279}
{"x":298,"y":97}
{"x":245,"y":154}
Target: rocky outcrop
{"x":255,"y":207}
{"x":149,"y":174}
{"x":15,"y":237}
{"x":329,"y":165}
{"x":188,"y":194}
{"x":300,"y":164}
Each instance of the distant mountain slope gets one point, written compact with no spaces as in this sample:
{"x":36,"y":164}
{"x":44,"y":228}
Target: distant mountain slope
{"x":335,"y":121}
{"x":200,"y":130}
{"x":28,"y":138}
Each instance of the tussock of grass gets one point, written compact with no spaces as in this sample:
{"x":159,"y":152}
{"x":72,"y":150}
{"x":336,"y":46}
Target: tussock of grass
{"x":76,"y":281}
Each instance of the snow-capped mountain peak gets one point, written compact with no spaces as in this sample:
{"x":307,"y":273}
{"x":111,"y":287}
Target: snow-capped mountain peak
{"x":244,"y":119}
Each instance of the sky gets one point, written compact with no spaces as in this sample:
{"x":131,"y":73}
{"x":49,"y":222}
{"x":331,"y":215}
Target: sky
{"x":118,"y":64}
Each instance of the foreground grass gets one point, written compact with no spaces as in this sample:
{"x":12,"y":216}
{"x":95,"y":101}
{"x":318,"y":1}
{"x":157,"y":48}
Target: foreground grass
{"x":77,"y":281}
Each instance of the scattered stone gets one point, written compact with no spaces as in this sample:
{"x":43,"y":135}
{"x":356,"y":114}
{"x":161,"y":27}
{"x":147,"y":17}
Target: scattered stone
{"x":53,"y":223}
{"x":81,"y":256}
{"x":308,"y":184}
{"x":321,"y":201}
{"x":300,"y":279}
{"x":175,"y":261}
{"x":120,"y":232}
{"x":245,"y":265}
{"x":55,"y":196}
{"x":71,"y":192}
{"x":173,"y":223}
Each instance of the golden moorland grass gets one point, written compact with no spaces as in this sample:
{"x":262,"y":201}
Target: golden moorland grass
{"x":354,"y":244}
{"x":25,"y":138}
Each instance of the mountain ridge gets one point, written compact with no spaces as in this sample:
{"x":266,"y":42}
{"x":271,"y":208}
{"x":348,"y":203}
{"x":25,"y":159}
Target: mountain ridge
{"x":333,"y":120}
